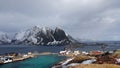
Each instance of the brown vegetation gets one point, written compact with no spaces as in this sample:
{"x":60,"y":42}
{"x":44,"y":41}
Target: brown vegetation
{"x":106,"y":59}
{"x":116,"y":53}
{"x":95,"y":66}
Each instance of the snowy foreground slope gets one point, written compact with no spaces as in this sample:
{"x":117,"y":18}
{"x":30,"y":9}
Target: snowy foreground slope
{"x":4,"y":39}
{"x":42,"y":36}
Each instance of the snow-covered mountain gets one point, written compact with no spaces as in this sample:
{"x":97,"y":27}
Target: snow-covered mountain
{"x":42,"y":36}
{"x":4,"y":39}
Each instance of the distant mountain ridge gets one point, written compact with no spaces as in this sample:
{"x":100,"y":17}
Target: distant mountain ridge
{"x":38,"y":36}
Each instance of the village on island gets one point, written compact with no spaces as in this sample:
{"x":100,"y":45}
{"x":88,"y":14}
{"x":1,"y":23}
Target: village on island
{"x":77,"y":58}
{"x":14,"y":57}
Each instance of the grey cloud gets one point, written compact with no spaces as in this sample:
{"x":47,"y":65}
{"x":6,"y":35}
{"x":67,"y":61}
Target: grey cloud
{"x":89,"y":19}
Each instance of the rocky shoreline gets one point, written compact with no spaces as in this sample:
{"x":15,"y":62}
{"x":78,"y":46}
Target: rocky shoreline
{"x":94,"y":60}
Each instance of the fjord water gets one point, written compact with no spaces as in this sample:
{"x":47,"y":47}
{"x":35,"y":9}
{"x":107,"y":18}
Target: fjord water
{"x":29,"y":48}
{"x":43,"y":61}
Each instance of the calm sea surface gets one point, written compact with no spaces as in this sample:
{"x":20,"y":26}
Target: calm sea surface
{"x":25,"y":48}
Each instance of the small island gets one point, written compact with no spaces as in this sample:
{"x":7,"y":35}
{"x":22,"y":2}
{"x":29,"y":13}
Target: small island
{"x":91,"y":59}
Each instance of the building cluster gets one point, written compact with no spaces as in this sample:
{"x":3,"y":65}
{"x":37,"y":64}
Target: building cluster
{"x":12,"y":57}
{"x":77,"y":52}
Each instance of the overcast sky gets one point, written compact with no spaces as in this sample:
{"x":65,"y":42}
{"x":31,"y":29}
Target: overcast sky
{"x":84,"y":19}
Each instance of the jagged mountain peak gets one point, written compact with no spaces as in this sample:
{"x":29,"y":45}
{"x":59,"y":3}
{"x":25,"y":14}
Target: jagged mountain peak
{"x":58,"y":28}
{"x":42,"y":36}
{"x":45,"y":30}
{"x":35,"y":27}
{"x":38,"y":28}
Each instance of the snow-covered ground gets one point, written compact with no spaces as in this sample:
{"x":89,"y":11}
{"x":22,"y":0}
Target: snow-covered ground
{"x":67,"y":61}
{"x":73,"y":64}
{"x":88,"y":61}
{"x":118,"y":60}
